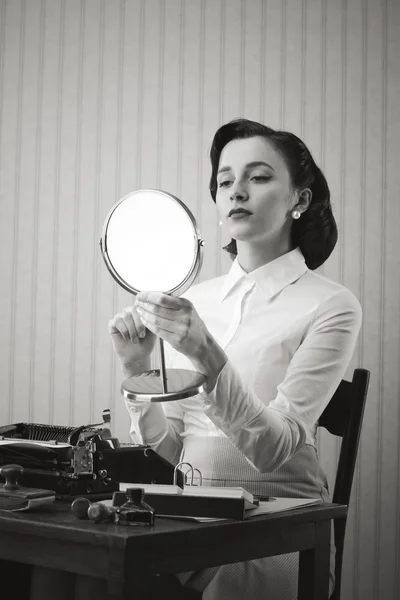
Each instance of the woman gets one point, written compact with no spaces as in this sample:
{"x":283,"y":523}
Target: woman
{"x":272,"y":337}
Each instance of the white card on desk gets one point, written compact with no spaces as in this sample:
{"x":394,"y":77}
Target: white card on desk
{"x":213,"y":491}
{"x":274,"y":505}
{"x":195,"y":519}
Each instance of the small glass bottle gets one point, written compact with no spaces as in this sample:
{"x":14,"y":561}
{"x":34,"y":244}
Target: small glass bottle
{"x":135,"y":511}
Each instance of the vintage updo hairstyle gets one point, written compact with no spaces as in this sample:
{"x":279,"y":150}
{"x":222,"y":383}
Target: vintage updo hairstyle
{"x":315,"y":232}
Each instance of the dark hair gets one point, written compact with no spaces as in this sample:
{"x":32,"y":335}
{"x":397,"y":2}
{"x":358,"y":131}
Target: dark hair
{"x":315,"y":233}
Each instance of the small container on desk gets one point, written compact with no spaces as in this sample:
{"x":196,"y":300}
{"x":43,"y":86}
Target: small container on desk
{"x":133,"y":510}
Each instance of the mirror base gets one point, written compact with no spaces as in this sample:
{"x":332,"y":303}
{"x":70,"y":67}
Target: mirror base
{"x":147,"y":386}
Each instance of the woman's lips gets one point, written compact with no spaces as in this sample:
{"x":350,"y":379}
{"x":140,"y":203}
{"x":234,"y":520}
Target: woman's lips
{"x":240,"y":215}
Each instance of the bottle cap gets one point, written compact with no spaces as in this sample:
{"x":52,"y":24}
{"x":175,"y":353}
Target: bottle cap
{"x":135,"y":494}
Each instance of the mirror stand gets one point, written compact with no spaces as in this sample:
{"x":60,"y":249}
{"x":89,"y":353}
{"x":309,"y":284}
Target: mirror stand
{"x":163,"y":370}
{"x":163,"y":385}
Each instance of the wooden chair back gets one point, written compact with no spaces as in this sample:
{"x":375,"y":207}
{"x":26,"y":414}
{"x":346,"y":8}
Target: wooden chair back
{"x":343,"y":417}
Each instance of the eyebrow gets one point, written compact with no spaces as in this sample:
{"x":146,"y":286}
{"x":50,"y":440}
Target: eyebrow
{"x":257,"y":163}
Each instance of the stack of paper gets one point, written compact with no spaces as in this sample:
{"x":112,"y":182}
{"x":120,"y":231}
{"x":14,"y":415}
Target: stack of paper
{"x":273,"y":505}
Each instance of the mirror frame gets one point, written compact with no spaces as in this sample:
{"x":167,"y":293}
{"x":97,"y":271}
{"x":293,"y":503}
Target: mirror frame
{"x":197,"y":262}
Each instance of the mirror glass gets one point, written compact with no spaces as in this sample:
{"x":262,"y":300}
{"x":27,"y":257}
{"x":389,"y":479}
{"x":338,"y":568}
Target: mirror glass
{"x":151,"y":242}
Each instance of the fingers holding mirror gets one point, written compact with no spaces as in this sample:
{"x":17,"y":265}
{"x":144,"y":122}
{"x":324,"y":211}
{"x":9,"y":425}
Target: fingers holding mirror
{"x":128,"y":324}
{"x":131,"y":340}
{"x":175,"y":320}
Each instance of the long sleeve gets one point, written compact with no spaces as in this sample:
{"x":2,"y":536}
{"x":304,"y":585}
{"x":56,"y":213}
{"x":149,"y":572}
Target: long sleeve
{"x":150,"y":426}
{"x":270,"y":435}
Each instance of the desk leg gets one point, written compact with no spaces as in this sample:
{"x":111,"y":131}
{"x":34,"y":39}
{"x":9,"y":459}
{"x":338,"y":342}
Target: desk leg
{"x":16,"y":576}
{"x":314,"y":566}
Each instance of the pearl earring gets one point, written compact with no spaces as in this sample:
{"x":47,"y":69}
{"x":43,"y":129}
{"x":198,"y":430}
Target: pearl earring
{"x":220,"y":223}
{"x":296,"y":214}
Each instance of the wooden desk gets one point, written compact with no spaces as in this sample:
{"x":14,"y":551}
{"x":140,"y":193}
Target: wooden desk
{"x":127,"y":558}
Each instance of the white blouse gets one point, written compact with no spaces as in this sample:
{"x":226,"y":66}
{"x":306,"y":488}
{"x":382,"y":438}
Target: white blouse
{"x":289,"y":334}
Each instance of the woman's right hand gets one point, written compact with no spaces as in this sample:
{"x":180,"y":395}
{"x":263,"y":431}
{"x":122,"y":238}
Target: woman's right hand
{"x":132,"y":341}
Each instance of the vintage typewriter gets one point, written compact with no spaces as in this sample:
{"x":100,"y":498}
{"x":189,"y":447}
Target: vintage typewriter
{"x":80,"y":461}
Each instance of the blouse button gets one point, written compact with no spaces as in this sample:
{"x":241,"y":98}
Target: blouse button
{"x":217,"y":413}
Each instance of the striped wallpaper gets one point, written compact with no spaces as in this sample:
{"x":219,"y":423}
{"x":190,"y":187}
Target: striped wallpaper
{"x":100,"y":97}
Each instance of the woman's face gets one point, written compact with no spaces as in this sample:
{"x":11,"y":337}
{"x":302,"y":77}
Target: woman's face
{"x":253,"y":177}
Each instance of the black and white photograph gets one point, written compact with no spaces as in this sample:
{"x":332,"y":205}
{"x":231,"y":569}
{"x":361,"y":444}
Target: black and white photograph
{"x":200,"y":299}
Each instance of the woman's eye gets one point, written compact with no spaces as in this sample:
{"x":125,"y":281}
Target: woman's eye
{"x":224,"y":183}
{"x":260,"y":178}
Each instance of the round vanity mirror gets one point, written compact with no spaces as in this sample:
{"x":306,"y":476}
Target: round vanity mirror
{"x":151,"y":242}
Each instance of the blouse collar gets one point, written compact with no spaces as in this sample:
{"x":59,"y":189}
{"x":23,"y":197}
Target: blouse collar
{"x":270,"y":278}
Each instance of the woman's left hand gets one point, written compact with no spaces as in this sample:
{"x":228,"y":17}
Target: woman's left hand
{"x":177,"y":322}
